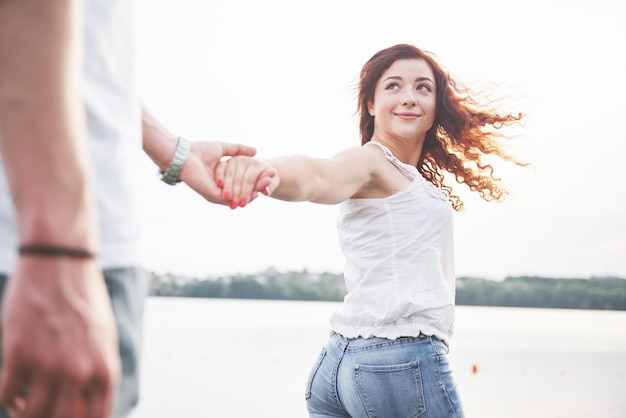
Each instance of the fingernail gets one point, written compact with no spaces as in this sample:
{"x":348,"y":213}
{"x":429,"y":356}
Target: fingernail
{"x":220,"y":183}
{"x":233,"y":204}
{"x":226,"y":195}
{"x":242,"y":203}
{"x":266,"y":192}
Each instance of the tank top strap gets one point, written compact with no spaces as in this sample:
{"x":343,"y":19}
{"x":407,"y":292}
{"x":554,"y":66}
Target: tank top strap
{"x":407,"y":170}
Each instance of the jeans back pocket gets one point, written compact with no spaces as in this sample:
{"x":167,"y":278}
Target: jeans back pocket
{"x":391,"y":391}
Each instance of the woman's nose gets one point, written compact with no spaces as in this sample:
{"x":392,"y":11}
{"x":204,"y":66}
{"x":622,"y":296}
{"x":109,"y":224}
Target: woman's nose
{"x":408,"y":98}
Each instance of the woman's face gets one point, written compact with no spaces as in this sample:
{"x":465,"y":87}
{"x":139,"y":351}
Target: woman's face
{"x":404,"y":100}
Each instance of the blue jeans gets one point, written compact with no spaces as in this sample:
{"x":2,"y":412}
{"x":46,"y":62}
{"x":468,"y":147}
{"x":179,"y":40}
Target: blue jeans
{"x":377,"y":377}
{"x":128,"y":288}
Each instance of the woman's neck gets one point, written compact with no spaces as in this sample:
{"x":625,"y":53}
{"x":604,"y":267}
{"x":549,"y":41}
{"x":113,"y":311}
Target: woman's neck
{"x":407,"y":151}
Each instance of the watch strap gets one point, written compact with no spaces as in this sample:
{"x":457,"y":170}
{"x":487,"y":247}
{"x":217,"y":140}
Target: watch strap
{"x":171,"y":176}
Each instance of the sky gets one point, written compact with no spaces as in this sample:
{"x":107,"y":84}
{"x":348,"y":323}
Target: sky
{"x":280,"y":75}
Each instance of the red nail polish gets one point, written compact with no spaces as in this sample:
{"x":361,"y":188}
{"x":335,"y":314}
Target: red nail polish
{"x":242,"y":203}
{"x":220,"y":183}
{"x":233,"y":204}
{"x":226,"y":195}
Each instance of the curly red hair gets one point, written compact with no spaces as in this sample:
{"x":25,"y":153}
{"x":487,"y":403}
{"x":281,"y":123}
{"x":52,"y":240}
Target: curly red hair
{"x":462,"y":135}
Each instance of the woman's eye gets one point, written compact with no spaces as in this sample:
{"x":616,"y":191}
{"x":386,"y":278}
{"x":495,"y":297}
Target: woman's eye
{"x":424,"y":87}
{"x":392,"y":86}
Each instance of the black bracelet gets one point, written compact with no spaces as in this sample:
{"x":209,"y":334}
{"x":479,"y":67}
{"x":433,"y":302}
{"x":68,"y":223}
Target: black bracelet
{"x":54,"y":251}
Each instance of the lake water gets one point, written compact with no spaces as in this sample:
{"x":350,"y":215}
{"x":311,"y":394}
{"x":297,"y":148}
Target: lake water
{"x":250,"y":359}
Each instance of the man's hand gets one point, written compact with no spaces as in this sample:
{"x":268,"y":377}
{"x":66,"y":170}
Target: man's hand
{"x":59,"y":340}
{"x":199,"y":170}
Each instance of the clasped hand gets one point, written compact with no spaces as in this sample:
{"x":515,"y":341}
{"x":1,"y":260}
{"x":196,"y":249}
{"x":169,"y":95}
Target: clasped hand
{"x":205,"y":171}
{"x":242,"y":177}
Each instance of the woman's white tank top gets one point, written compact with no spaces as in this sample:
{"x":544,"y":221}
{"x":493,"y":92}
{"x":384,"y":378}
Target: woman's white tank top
{"x":399,"y":262}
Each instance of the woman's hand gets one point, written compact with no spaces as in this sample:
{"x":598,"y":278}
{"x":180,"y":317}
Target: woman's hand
{"x":242,"y":177}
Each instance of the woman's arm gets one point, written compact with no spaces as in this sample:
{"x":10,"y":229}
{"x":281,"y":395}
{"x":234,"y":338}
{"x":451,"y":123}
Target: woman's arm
{"x":322,"y":180}
{"x":303,"y":178}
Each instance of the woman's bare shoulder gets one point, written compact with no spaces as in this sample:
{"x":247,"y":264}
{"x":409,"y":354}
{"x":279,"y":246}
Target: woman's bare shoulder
{"x":362,"y":155}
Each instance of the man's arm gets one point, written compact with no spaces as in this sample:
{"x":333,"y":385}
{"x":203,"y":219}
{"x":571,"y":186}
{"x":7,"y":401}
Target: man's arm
{"x":58,"y":332}
{"x":42,"y":121}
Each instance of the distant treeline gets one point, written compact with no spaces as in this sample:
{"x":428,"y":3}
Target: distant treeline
{"x":271,"y":284}
{"x":536,"y":292}
{"x":541,"y":292}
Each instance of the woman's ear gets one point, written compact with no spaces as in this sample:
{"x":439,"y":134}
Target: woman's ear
{"x":370,"y":108}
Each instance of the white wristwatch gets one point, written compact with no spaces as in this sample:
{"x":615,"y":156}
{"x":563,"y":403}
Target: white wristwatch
{"x":172,"y":174}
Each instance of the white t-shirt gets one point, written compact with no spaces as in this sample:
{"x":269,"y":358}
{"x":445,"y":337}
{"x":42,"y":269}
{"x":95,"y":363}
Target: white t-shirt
{"x":113,"y":133}
{"x":399,"y":263}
